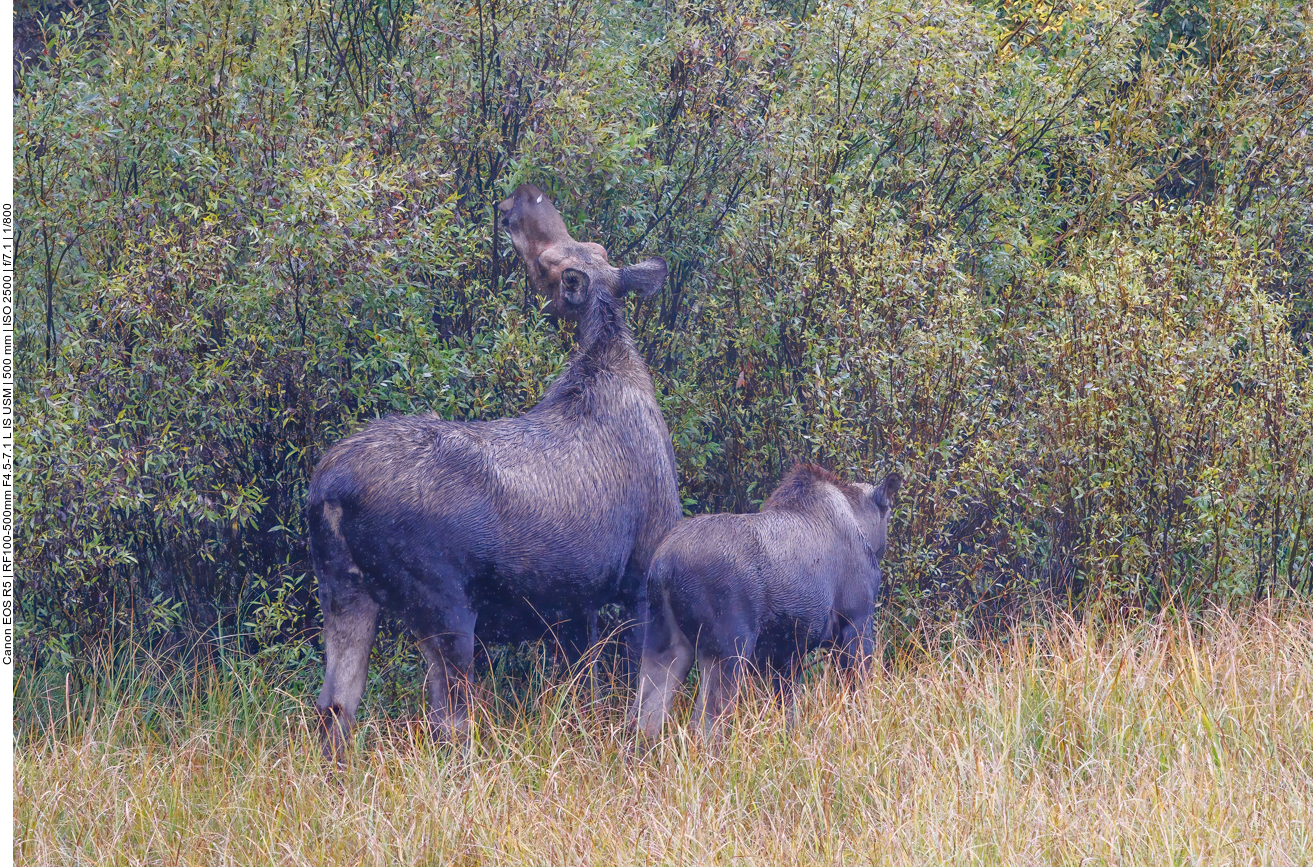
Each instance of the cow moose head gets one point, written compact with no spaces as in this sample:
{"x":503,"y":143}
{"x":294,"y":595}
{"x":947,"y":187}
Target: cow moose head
{"x":570,"y":274}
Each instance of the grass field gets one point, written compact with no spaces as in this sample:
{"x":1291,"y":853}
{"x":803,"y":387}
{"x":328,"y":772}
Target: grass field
{"x":1182,"y":743}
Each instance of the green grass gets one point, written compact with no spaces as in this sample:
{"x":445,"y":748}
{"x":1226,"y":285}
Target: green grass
{"x":1178,"y":743}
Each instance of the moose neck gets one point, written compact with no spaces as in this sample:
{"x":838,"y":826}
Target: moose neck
{"x":602,"y":329}
{"x":604,"y":346}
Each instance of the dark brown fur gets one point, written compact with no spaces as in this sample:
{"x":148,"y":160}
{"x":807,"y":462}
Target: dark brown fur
{"x":798,"y":490}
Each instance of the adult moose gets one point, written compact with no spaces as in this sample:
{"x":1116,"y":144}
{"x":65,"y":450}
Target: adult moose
{"x":765,"y":588}
{"x":471,"y":529}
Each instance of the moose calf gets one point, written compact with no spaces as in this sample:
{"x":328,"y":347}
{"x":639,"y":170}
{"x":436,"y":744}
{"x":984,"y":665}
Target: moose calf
{"x":766,"y":587}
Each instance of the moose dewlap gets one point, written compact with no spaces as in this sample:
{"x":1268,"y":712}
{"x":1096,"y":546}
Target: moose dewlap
{"x":764,"y":589}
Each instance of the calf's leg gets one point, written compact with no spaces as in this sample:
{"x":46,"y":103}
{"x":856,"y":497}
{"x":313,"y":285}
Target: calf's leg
{"x":667,"y":657}
{"x":448,"y":647}
{"x":856,"y":644}
{"x":718,"y":689}
{"x":350,"y":624}
{"x":784,"y":682}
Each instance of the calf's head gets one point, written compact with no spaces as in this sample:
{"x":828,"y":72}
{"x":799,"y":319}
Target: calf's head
{"x":878,"y":505}
{"x":572,"y":275}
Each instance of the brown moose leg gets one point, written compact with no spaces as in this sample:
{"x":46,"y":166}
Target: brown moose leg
{"x":666,"y":660}
{"x":595,"y":659}
{"x":720,"y":682}
{"x":449,"y":653}
{"x":350,"y":625}
{"x":784,"y":682}
{"x":856,"y":644}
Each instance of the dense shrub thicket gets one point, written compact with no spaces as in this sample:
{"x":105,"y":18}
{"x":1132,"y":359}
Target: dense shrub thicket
{"x":1050,"y":262}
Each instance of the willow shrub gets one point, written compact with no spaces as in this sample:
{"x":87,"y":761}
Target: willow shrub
{"x":938,"y":184}
{"x":231,"y":288}
{"x":1175,"y":432}
{"x":1047,"y":261}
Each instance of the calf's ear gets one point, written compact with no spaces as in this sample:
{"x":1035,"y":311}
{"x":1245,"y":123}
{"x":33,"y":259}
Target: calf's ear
{"x":645,"y":279}
{"x":888,"y":489}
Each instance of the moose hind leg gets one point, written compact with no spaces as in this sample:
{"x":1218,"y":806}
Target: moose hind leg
{"x":350,"y":624}
{"x":667,"y":658}
{"x":449,"y":651}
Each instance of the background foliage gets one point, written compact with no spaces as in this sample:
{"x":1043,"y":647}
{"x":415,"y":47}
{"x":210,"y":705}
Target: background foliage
{"x":1051,"y":262}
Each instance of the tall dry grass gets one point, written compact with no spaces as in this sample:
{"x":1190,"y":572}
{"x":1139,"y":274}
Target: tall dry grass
{"x":1182,"y":743}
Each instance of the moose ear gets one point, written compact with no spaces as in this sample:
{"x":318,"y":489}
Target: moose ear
{"x":644,"y":279}
{"x":574,"y":285}
{"x":888,"y":489}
